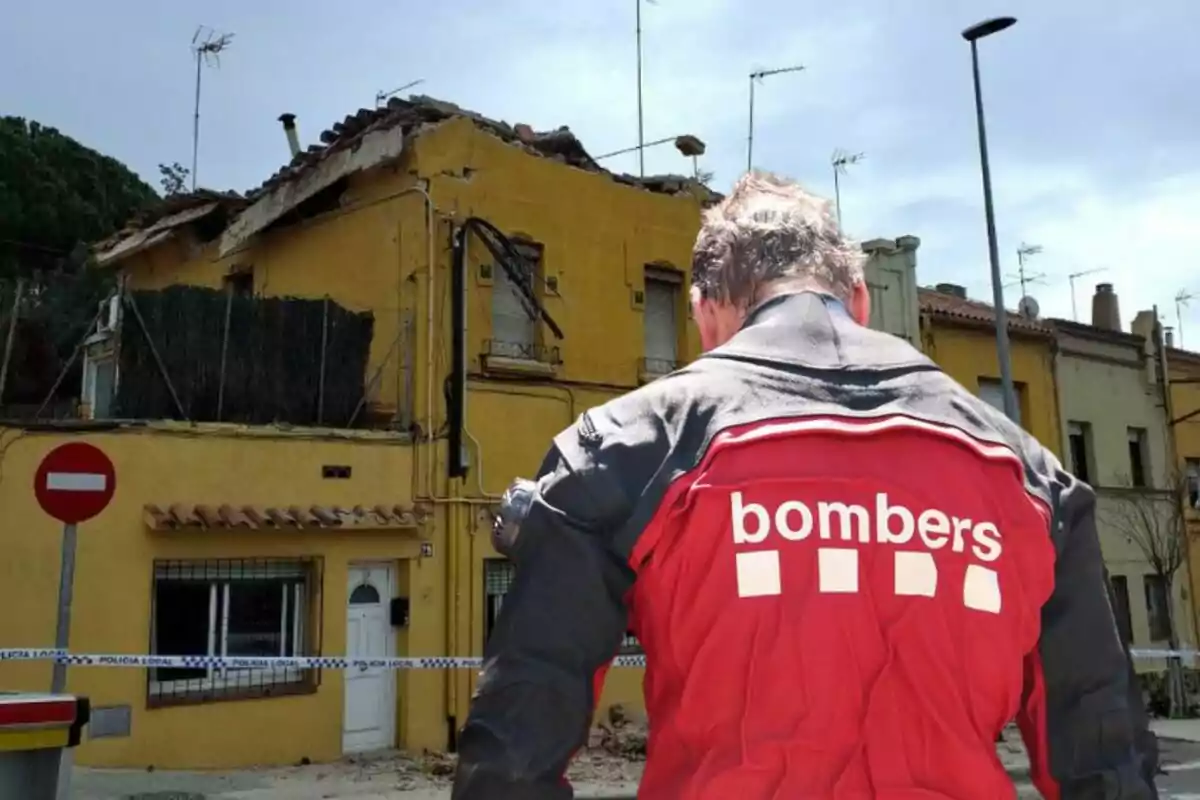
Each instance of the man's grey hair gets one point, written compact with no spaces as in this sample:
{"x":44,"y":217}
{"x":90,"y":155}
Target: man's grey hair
{"x":770,"y":229}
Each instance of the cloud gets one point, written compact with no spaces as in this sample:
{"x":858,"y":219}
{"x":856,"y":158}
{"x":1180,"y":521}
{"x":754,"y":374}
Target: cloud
{"x":1092,"y":138}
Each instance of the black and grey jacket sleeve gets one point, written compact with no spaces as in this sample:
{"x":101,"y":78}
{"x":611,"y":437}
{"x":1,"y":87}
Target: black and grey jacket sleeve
{"x":1083,"y":719}
{"x":564,"y":617}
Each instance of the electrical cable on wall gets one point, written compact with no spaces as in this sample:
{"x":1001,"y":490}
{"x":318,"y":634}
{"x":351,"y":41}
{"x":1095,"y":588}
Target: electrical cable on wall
{"x":521,"y":275}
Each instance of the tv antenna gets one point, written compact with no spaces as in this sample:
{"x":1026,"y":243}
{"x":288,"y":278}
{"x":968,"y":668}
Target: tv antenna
{"x":208,"y":45}
{"x":840,"y":160}
{"x":757,"y":76}
{"x":1071,"y":278}
{"x":1182,"y":299}
{"x":1024,"y":253}
{"x":382,"y":96}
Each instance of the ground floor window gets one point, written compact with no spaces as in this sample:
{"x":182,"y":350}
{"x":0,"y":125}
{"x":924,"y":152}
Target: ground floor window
{"x":233,"y":607}
{"x":1158,"y":607}
{"x":498,"y":576}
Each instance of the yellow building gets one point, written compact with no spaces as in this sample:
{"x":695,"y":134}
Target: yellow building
{"x":959,"y":334}
{"x":227,"y":538}
{"x":426,"y":284}
{"x":1184,"y":370}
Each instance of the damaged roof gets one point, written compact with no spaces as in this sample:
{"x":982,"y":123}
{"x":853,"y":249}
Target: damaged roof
{"x":361,"y":140}
{"x":159,"y":223}
{"x":561,"y":145}
{"x":959,"y":309}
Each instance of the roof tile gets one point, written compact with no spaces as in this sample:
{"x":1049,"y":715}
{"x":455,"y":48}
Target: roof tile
{"x":180,"y":517}
{"x":950,"y":307}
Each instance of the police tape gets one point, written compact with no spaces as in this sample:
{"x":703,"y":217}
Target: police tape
{"x":266,"y":662}
{"x":328,"y":662}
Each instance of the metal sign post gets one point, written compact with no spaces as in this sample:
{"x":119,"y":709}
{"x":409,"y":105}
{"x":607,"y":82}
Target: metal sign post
{"x":74,"y":483}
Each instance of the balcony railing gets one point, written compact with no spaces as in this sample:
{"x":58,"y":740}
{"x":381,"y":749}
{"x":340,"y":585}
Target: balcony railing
{"x":521,"y":351}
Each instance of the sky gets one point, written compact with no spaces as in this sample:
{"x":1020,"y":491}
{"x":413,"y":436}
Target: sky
{"x":1091,"y":114}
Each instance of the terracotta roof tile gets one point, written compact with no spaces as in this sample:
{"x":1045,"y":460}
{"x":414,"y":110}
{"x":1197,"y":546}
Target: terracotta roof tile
{"x":561,"y":144}
{"x":179,"y":516}
{"x":948,"y":306}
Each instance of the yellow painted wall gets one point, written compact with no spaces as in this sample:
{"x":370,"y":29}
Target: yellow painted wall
{"x":1185,"y":398}
{"x":968,"y":354}
{"x":373,"y":255}
{"x":113,"y":581}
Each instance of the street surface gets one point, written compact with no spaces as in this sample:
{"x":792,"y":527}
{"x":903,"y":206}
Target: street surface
{"x":595,"y":775}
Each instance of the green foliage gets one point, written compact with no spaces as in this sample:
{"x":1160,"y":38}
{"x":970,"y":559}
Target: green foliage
{"x":57,"y":198}
{"x":56,"y":194}
{"x":173,"y":178}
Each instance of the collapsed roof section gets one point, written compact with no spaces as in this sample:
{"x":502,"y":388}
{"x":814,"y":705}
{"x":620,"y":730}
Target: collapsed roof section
{"x":206,"y":208}
{"x":365,"y":139}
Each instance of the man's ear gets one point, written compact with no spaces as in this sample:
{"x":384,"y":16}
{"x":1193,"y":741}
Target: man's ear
{"x":704,"y":315}
{"x":860,"y":303}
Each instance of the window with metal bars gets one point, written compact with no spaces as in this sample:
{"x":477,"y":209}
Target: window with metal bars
{"x":230,"y":608}
{"x":498,"y":576}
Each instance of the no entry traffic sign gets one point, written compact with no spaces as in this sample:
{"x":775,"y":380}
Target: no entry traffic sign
{"x":74,"y":483}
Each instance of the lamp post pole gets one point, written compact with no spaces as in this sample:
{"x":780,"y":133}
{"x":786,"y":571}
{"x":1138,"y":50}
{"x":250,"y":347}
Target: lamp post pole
{"x":973,"y":35}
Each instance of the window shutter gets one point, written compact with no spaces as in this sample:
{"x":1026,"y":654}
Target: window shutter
{"x":510,"y":323}
{"x":660,"y":321}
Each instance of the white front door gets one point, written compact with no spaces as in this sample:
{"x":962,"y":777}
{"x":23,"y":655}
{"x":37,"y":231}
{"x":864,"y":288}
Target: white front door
{"x":370,"y":720}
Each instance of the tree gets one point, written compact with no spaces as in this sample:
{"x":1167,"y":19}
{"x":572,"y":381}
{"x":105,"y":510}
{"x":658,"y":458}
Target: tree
{"x":55,"y":194}
{"x":1153,"y":521}
{"x":173,"y":178}
{"x":57,"y":197}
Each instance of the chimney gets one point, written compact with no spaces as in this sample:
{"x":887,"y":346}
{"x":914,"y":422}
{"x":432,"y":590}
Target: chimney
{"x":952,"y":289}
{"x":289,"y":127}
{"x":1169,"y":336}
{"x":1105,"y":312}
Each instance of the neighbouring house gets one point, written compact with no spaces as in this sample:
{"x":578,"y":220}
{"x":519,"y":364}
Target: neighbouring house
{"x":314,"y":395}
{"x":958,"y":333}
{"x":1183,"y":368}
{"x":1116,"y":437}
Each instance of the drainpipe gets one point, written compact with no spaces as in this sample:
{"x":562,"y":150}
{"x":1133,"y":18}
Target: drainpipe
{"x":1064,"y":440}
{"x":289,"y":127}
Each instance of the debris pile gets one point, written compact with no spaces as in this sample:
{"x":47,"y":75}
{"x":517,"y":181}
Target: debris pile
{"x":621,"y":734}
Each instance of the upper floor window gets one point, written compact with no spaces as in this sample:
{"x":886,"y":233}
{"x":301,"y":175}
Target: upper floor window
{"x":991,"y":391}
{"x":1158,"y":607}
{"x":1079,"y":438}
{"x":660,"y":320}
{"x":514,"y":330}
{"x":1138,"y":474}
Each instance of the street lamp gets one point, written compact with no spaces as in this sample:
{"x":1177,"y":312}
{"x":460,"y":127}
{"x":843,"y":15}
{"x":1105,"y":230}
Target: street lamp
{"x":687,"y":145}
{"x":973,"y":35}
{"x":758,"y":75}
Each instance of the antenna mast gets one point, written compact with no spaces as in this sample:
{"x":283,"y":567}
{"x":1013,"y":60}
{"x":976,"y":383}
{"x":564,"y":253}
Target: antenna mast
{"x":381,"y":96}
{"x":1182,"y":299}
{"x":840,"y":161}
{"x":1024,"y":252}
{"x":1071,"y":278}
{"x":207,"y":45}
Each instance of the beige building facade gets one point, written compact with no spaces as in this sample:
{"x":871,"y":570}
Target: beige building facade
{"x":1116,"y":438}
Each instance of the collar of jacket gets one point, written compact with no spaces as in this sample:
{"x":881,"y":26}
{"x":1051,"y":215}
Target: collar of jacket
{"x":781,"y":304}
{"x":815,"y":330}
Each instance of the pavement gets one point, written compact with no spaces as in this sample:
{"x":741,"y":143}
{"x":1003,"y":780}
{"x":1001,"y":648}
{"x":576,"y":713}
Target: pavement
{"x":596,"y":776}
